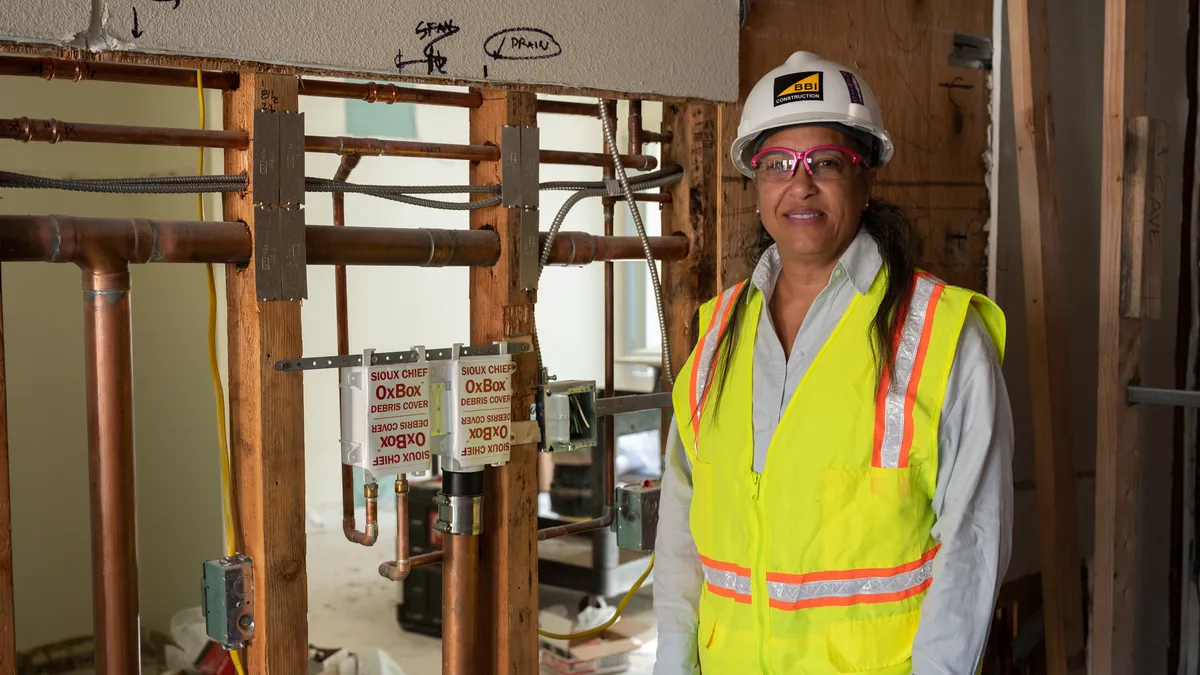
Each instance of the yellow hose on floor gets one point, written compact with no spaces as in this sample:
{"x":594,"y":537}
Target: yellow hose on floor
{"x":214,"y":370}
{"x":593,"y":632}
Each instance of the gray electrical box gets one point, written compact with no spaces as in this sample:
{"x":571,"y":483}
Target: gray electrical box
{"x":568,"y":416}
{"x":637,"y":516}
{"x":228,"y":601}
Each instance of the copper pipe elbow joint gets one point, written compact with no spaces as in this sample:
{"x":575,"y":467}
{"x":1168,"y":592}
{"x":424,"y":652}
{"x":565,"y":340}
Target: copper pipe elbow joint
{"x":368,"y":538}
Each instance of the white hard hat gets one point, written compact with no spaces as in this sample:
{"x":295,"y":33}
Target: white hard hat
{"x":809,"y":89}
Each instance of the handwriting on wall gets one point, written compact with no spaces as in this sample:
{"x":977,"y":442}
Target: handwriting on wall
{"x":137,"y":29}
{"x":510,"y":44}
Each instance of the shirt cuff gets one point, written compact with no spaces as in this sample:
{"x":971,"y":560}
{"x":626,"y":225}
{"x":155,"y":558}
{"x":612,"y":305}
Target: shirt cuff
{"x":676,"y":654}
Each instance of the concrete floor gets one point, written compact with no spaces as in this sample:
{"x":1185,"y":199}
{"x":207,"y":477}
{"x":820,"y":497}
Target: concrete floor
{"x":352,"y":607}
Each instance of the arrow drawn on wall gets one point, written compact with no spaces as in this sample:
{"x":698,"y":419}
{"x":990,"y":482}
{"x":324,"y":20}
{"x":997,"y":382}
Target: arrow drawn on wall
{"x":136,"y":33}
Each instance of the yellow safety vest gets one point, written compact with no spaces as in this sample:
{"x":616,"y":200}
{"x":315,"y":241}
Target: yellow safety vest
{"x":819,"y":564}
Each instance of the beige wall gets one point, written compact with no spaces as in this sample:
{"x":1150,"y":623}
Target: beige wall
{"x":176,"y":458}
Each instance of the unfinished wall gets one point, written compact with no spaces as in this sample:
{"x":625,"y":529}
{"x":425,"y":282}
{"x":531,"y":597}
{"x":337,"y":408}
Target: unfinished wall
{"x":178,"y":498}
{"x":1077,"y":45}
{"x":684,"y":48}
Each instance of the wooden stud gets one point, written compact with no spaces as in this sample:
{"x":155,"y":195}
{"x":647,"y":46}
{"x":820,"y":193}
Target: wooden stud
{"x":267,"y":423}
{"x":1048,"y":377}
{"x":690,"y":282}
{"x":500,"y":310}
{"x":1117,"y":444}
{"x":1141,"y":234}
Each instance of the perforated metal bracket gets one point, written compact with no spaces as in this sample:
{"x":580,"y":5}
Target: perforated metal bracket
{"x":409,"y":356}
{"x":519,"y":151}
{"x":278,"y":194}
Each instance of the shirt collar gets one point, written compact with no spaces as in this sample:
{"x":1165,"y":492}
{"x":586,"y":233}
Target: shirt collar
{"x":860,"y":263}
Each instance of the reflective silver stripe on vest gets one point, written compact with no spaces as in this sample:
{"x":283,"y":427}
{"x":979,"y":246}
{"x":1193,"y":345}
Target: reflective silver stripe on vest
{"x":712,"y":337}
{"x":730,"y":581}
{"x":813,"y":592}
{"x":906,"y":356}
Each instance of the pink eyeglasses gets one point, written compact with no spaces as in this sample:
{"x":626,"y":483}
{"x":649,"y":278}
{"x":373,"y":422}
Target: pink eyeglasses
{"x":823,"y":162}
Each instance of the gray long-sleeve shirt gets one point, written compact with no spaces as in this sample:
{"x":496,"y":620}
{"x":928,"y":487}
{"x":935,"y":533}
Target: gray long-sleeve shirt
{"x":972,"y":500}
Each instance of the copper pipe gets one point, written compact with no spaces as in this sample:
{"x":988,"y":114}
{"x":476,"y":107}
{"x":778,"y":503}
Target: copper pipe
{"x":460,"y":589}
{"x":609,"y":360}
{"x":635,"y":127}
{"x":70,"y":239}
{"x":373,"y":146}
{"x":8,"y":631}
{"x":398,"y":569}
{"x":581,"y":248}
{"x":639,"y":162}
{"x":659,"y":197}
{"x":109,"y":363}
{"x":349,"y":526}
{"x":474,"y":153}
{"x":575,"y":528}
{"x":76,"y":71}
{"x":56,"y":131}
{"x":566,"y":108}
{"x":25,"y":130}
{"x":397,"y":246}
{"x":655,"y":137}
{"x":376,"y":92}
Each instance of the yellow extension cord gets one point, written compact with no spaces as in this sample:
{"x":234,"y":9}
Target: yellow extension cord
{"x":593,"y":632}
{"x":214,"y":370}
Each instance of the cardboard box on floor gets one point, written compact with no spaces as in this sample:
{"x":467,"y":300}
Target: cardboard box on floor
{"x":608,"y":653}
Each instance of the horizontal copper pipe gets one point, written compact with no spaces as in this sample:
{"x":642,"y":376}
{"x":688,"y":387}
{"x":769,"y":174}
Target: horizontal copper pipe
{"x":575,"y":528}
{"x":373,"y":146}
{"x":25,"y":130}
{"x":401,"y":246}
{"x":639,"y":162}
{"x":475,"y":153}
{"x":77,"y":71}
{"x":659,"y":197}
{"x":581,"y":248}
{"x":56,"y":131}
{"x":377,"y":92}
{"x":567,"y":108}
{"x":71,"y":239}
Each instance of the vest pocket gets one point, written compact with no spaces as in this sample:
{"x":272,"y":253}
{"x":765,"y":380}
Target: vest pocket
{"x":880,"y":646}
{"x":872,"y":517}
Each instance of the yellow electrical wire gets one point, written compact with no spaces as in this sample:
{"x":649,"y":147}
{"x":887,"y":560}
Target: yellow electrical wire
{"x":214,"y":370}
{"x":593,"y":632}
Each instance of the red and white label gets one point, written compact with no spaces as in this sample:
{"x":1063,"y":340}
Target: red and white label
{"x":398,"y":420}
{"x":484,"y":410}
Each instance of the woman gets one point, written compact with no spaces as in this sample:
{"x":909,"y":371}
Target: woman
{"x":838,"y":492}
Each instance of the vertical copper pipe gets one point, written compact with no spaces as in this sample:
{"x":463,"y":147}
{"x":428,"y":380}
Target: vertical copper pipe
{"x":109,"y":367}
{"x":460,"y":589}
{"x":371,"y":491}
{"x":398,"y":569}
{"x":635,"y":127}
{"x":610,"y":470}
{"x":8,"y":632}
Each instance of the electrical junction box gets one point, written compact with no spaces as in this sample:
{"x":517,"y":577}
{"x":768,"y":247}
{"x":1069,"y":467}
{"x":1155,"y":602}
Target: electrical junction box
{"x":387,"y":412}
{"x":472,"y":409}
{"x":637,"y":515}
{"x":228,"y":600}
{"x":568,"y":415}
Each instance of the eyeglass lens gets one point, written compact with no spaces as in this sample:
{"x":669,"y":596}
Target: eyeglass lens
{"x":823,"y":164}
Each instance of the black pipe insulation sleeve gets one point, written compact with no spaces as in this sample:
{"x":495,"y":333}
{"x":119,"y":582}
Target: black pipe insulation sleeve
{"x":462,"y":484}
